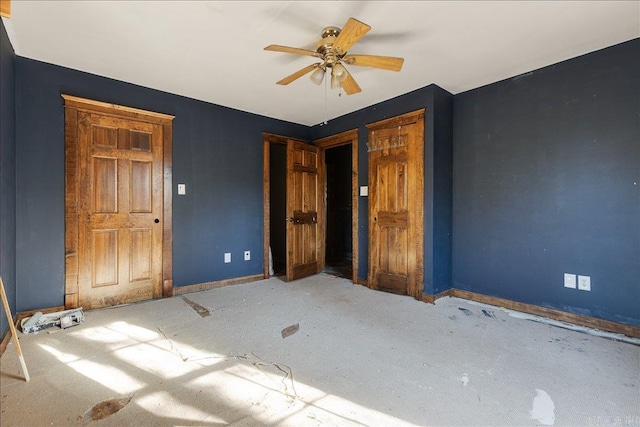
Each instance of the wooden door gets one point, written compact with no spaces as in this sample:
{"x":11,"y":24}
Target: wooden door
{"x":120,"y":210}
{"x":396,"y":196}
{"x":303,"y":202}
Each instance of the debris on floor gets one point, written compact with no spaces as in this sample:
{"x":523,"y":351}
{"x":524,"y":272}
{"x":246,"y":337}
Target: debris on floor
{"x":40,"y":321}
{"x":465,"y":311}
{"x":102,"y":410}
{"x":464,"y":380}
{"x":290,"y":330}
{"x":489,"y":314}
{"x":203,"y":312}
{"x":543,"y":408}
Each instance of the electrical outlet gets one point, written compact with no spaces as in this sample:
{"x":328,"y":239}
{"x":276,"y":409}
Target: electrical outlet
{"x":247,"y":255}
{"x":569,"y":280}
{"x":584,"y":283}
{"x":227,"y":257}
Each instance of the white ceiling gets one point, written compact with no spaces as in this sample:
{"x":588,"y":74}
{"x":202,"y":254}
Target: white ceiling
{"x":213,"y":50}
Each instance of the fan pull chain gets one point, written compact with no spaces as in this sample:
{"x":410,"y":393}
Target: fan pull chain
{"x":326,"y":113}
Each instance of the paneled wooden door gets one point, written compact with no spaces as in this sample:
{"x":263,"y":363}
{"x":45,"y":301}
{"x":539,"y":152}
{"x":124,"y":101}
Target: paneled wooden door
{"x":396,"y":194}
{"x":120,"y":210}
{"x":304,"y":245}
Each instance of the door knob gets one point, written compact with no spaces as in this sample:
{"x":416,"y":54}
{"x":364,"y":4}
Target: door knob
{"x":156,"y":220}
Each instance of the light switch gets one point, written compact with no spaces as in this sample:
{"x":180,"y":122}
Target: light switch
{"x":182,"y":189}
{"x":569,"y":280}
{"x":364,"y":190}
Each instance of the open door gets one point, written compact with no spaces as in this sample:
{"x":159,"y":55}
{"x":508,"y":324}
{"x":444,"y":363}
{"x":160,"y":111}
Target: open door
{"x":304,"y":248}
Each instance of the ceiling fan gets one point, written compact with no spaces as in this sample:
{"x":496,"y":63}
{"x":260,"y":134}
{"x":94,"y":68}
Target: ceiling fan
{"x":332,"y":51}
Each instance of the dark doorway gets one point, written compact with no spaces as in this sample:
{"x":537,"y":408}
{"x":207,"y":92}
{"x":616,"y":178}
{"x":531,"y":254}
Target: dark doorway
{"x":338,"y":243}
{"x":278,"y":206}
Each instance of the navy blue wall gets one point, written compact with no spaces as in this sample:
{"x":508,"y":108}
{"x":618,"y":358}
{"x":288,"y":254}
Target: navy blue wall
{"x":442,"y":192}
{"x":437,"y":175}
{"x":217,"y":153}
{"x":547,"y":181}
{"x":7,"y":174}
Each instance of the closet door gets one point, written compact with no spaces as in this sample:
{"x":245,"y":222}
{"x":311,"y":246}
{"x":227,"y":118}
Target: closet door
{"x":118,"y":215}
{"x":120,"y":210}
{"x":396,"y":193}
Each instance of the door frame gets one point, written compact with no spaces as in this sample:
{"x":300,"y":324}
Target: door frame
{"x":343,"y":138}
{"x":337,"y":140}
{"x":73,"y":105}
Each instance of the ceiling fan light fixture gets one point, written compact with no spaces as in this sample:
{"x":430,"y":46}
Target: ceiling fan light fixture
{"x":339,"y":72}
{"x":317,"y":76}
{"x":335,"y":81}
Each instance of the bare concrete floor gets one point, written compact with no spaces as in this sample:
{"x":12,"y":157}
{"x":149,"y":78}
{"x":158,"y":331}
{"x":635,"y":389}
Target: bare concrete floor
{"x":360,"y":357}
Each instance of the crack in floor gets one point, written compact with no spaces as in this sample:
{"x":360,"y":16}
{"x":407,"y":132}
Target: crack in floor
{"x":258,"y":364}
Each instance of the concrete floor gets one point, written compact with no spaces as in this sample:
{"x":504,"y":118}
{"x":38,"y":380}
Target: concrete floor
{"x":360,"y":357}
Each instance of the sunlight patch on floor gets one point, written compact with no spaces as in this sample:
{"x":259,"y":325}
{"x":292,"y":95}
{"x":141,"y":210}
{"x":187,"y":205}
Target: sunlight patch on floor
{"x":108,"y":376}
{"x":114,"y":337}
{"x":61,"y":356}
{"x":163,"y":404}
{"x":153,"y":360}
{"x":133,"y":331}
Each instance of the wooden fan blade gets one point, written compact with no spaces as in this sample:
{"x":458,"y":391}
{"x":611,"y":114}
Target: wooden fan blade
{"x":349,"y":85}
{"x":298,"y":74}
{"x":383,"y":62}
{"x":352,"y":31}
{"x":294,"y":50}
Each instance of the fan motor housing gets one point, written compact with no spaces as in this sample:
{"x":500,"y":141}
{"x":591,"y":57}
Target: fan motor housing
{"x":329,"y":35}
